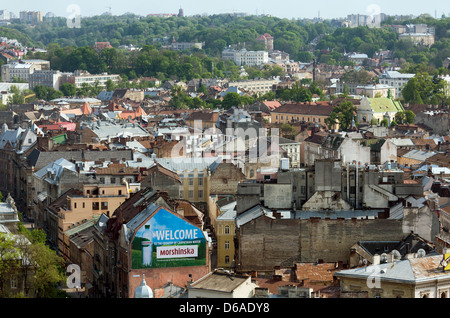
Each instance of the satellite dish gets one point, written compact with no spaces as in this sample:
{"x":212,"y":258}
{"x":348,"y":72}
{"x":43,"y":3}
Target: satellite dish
{"x":383,"y":258}
{"x":396,"y":254}
{"x":421,"y":252}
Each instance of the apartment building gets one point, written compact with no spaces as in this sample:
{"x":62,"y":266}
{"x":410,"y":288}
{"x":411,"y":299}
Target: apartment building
{"x":244,"y":57}
{"x":31,"y":17}
{"x":425,"y":39}
{"x":78,"y":78}
{"x":180,"y":46}
{"x":395,"y":79}
{"x":257,"y":86}
{"x":78,"y":206}
{"x":23,"y":69}
{"x":314,"y":112}
{"x":48,"y":78}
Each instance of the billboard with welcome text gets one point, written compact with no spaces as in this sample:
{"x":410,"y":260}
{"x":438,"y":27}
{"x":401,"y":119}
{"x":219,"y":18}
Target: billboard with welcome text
{"x":167,"y":240}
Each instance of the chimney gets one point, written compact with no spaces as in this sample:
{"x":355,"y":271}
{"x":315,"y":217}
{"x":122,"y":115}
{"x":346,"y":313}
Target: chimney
{"x":376,"y":259}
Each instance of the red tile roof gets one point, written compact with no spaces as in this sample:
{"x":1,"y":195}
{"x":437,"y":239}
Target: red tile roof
{"x":317,"y":109}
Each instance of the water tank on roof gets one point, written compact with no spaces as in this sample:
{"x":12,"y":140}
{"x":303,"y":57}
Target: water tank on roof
{"x":284,"y":164}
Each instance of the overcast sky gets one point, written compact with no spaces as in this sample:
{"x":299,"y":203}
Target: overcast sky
{"x":282,"y":8}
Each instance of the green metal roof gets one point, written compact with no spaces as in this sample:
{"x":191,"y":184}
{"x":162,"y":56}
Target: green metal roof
{"x":384,"y":104}
{"x":60,"y":139}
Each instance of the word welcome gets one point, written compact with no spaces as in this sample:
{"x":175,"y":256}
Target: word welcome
{"x":176,"y":235}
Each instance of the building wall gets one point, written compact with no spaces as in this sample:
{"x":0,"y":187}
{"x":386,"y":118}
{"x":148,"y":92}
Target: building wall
{"x":195,"y":185}
{"x":225,"y":178}
{"x":278,"y":196}
{"x":352,"y":150}
{"x":387,"y":290}
{"x":439,"y":122}
{"x":281,"y":118}
{"x":265,"y":243}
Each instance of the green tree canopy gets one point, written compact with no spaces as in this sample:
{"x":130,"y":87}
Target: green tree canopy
{"x":341,"y":115}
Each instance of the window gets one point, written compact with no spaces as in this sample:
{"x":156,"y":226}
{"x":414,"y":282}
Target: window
{"x":227,"y":245}
{"x":191,"y":179}
{"x":113,"y":180}
{"x":95,"y":206}
{"x":14,"y":282}
{"x":104,"y":205}
{"x":191,"y":194}
{"x":227,"y":259}
{"x":120,"y":192}
{"x":200,"y":194}
{"x":227,"y":229}
{"x":200,"y":179}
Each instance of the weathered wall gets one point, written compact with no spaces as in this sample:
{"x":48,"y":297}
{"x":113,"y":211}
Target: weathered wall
{"x":265,"y":243}
{"x":225,"y":179}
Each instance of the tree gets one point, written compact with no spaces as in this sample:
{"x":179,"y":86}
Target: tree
{"x":231,"y":99}
{"x":44,"y":269}
{"x":9,"y":261}
{"x":409,"y":117}
{"x":300,"y":93}
{"x":341,"y":115}
{"x":287,"y":129}
{"x":68,"y":89}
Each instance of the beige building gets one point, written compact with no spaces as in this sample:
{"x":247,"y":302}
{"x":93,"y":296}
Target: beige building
{"x":426,"y":39}
{"x":419,"y":277}
{"x":378,"y":90}
{"x":315,"y":112}
{"x":77,"y":207}
{"x":222,"y":284}
{"x":256,"y":86}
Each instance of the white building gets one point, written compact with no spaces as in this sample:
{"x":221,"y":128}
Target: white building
{"x":244,"y":57}
{"x":23,"y":69}
{"x":79,"y":77}
{"x":395,"y":79}
{"x":180,"y":46}
{"x":418,"y":277}
{"x":257,"y":86}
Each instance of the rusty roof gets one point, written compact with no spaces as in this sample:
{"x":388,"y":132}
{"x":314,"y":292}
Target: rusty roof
{"x":317,"y":109}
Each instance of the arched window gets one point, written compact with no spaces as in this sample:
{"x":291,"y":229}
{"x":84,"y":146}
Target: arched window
{"x":227,"y":229}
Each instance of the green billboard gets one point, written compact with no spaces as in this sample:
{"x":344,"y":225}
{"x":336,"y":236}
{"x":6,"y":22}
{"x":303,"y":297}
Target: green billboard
{"x":167,"y":240}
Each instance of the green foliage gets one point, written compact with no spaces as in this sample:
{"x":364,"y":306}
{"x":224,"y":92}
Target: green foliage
{"x":68,"y":89}
{"x":299,"y":92}
{"x":425,"y":89}
{"x":46,"y":93}
{"x":343,"y":115}
{"x":406,"y":117}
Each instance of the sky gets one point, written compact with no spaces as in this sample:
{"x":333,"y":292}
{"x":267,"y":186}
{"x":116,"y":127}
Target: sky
{"x":326,"y":9}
